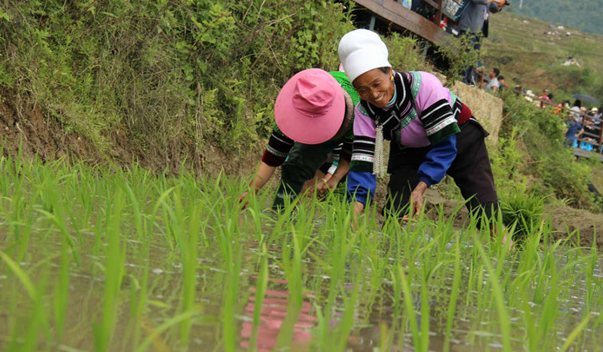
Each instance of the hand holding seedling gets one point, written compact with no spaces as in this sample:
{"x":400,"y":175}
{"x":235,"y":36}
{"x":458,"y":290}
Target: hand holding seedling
{"x":327,"y":183}
{"x":243,"y":201}
{"x":416,"y":201}
{"x":262,"y":176}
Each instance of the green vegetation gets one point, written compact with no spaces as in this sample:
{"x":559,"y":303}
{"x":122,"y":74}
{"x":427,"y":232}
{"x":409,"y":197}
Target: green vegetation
{"x":171,"y":75}
{"x":153,"y":262}
{"x":178,"y":77}
{"x":531,"y":158}
{"x":583,"y":14}
{"x":519,"y":48}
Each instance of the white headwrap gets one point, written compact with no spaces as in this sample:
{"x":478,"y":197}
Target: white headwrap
{"x":360,"y":51}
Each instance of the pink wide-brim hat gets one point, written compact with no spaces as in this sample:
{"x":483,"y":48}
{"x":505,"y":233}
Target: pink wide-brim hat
{"x":311,"y":107}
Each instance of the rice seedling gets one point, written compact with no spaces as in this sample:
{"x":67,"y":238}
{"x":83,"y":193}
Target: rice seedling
{"x":61,"y":292}
{"x":499,"y":298}
{"x":260,"y":291}
{"x":114,"y":272}
{"x":454,"y":293}
{"x":156,"y":261}
{"x":524,"y":212}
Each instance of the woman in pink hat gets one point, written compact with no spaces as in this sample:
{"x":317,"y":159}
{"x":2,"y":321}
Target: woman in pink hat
{"x":432,"y":133}
{"x":314,"y":114}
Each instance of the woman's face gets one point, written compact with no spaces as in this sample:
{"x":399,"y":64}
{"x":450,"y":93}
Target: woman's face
{"x":376,"y":87}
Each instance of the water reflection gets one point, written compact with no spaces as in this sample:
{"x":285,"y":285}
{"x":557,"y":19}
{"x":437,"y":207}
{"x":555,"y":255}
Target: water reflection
{"x":377,"y":324}
{"x":280,"y":320}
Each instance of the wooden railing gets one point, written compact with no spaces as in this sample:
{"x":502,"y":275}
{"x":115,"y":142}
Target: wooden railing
{"x":405,"y":19}
{"x":589,"y":138}
{"x":437,"y":5}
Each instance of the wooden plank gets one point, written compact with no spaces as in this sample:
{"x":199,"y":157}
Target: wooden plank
{"x":585,"y":153}
{"x":438,"y":17}
{"x":404,"y":19}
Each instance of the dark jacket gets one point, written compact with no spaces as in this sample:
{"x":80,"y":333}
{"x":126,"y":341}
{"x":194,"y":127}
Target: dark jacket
{"x":472,"y":19}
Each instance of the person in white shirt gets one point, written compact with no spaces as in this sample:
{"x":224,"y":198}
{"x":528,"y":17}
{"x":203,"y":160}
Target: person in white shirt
{"x":493,"y":85}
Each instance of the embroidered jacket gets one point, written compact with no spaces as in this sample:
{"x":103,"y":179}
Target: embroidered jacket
{"x":424,"y":113}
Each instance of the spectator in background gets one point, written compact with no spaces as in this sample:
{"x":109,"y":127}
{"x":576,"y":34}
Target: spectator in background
{"x":493,"y":84}
{"x":591,"y":132}
{"x":422,"y":8}
{"x":575,"y":109}
{"x":550,"y":96}
{"x":479,"y":71}
{"x":562,"y":107}
{"x":598,"y":116}
{"x":501,"y":83}
{"x":474,"y":22}
{"x":573,"y":130}
{"x":544,"y":97}
{"x":594,"y":114}
{"x":583,"y":112}
{"x":406,"y":3}
{"x":577,"y":103}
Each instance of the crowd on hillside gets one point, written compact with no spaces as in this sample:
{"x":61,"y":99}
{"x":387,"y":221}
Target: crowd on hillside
{"x":582,"y":124}
{"x":470,"y":18}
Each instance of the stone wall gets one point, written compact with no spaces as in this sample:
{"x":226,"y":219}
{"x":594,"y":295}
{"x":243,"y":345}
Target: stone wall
{"x":486,"y":107}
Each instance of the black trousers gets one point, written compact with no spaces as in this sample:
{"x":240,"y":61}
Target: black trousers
{"x":301,"y":165}
{"x":470,"y":170}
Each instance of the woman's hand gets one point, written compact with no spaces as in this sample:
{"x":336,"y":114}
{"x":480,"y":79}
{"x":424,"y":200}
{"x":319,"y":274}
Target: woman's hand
{"x":330,"y":181}
{"x":416,"y":200}
{"x":325,"y":184}
{"x":262,"y":176}
{"x":243,"y":200}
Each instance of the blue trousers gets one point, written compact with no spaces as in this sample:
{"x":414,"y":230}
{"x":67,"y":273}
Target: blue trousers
{"x":470,"y":73}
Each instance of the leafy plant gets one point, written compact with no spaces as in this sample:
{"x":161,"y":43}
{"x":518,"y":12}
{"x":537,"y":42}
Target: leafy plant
{"x":523,"y":213}
{"x":460,"y":54}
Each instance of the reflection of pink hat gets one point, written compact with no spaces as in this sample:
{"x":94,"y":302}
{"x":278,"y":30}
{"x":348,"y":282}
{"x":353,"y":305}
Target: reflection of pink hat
{"x":311,"y":107}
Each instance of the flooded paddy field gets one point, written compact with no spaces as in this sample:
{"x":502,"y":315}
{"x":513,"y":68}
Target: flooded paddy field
{"x":110,"y":260}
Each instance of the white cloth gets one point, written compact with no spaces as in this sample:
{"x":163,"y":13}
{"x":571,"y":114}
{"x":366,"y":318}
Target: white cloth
{"x":493,"y":83}
{"x":360,"y":51}
{"x":575,"y":111}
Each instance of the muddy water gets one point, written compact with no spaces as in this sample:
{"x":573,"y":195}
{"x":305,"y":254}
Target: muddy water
{"x":374,"y":316}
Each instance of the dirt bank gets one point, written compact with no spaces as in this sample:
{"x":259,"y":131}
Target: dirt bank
{"x":582,"y":225}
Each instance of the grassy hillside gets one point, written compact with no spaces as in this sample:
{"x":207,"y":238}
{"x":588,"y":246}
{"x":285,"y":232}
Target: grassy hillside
{"x":521,"y":49}
{"x":583,"y":14}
